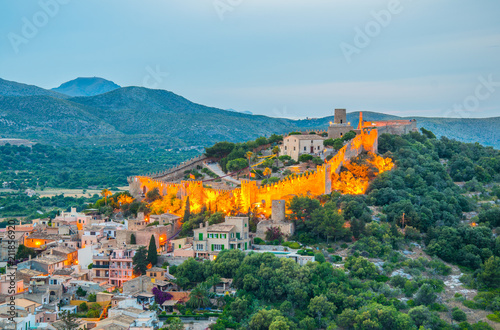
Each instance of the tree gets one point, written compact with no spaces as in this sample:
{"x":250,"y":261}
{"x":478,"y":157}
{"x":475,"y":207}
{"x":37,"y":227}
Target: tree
{"x":267,"y":172}
{"x":92,"y":297}
{"x":219,"y":150}
{"x":319,"y":257}
{"x":175,"y":324}
{"x":262,"y":319}
{"x":337,"y":144}
{"x":489,"y":275}
{"x":132,"y":239}
{"x":349,"y":136}
{"x":140,"y":261}
{"x":425,"y":295}
{"x":319,"y":307}
{"x":152,"y":251}
{"x":421,"y":315}
{"x":83,"y":307}
{"x":68,"y":321}
{"x":276,"y":152}
{"x":153,"y":195}
{"x":80,"y":292}
{"x":249,"y":156}
{"x":239,"y":308}
{"x":24,"y":252}
{"x":105,"y":193}
{"x":187,"y":211}
{"x":199,"y":296}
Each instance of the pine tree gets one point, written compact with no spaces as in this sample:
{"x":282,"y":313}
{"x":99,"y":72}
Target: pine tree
{"x":132,"y":239}
{"x":152,"y":252}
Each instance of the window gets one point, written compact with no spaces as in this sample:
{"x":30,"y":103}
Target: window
{"x":180,"y":245}
{"x":245,"y":225}
{"x":293,"y":148}
{"x":285,"y":147}
{"x":200,"y":236}
{"x":232,"y":235}
{"x":217,"y":247}
{"x":305,"y":149}
{"x":238,"y":235}
{"x":216,"y":235}
{"x":199,"y":247}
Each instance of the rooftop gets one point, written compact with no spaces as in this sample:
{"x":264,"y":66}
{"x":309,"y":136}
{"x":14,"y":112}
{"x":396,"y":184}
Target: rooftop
{"x":156,"y":269}
{"x":49,"y":259}
{"x":220,"y":228}
{"x":307,"y":137}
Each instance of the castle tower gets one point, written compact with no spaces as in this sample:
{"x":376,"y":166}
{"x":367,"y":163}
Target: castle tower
{"x":340,"y":116}
{"x":360,"y":124}
{"x":278,"y":210}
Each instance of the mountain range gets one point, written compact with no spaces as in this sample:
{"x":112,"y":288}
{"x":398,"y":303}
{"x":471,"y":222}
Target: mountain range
{"x":97,"y":111}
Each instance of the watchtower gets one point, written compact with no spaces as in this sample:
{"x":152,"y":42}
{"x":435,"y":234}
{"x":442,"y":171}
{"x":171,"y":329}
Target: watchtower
{"x":340,"y":116}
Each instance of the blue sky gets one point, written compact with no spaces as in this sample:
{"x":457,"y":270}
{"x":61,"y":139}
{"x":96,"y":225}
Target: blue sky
{"x":281,"y":58}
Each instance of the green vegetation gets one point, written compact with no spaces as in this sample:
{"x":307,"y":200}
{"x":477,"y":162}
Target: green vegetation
{"x":81,"y":167}
{"x":234,"y":156}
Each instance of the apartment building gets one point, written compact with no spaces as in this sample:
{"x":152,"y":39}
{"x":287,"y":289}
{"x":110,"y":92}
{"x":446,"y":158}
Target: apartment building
{"x":114,"y":266}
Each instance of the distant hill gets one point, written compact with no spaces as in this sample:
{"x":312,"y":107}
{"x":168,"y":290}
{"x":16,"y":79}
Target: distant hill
{"x":86,"y":87}
{"x":12,"y":88}
{"x":159,"y":118}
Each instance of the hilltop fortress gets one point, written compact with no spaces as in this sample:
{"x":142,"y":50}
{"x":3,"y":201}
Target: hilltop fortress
{"x":251,"y":196}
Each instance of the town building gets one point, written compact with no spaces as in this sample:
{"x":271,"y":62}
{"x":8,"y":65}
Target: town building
{"x":296,"y":145}
{"x":114,"y":265}
{"x":45,"y":264}
{"x":233,"y":233}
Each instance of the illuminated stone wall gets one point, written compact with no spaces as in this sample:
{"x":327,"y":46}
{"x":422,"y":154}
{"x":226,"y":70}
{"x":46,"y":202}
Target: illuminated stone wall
{"x":249,"y":195}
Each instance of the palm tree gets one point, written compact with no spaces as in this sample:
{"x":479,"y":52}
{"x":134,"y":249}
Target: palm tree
{"x":199,"y":296}
{"x":276,"y":152}
{"x":105,"y":193}
{"x":249,"y":155}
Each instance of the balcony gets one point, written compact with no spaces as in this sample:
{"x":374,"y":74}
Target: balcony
{"x":100,"y":266}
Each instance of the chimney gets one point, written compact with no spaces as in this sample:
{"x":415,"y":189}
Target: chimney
{"x":206,"y":224}
{"x":201,"y":225}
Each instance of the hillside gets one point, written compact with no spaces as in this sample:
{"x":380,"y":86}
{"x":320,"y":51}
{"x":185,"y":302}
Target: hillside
{"x":86,"y":86}
{"x":137,"y":115}
{"x":12,"y":88}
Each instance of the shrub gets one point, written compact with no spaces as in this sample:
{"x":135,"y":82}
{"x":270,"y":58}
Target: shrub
{"x":257,"y":240}
{"x":494,"y":317}
{"x":330,"y":250}
{"x":458,"y":315}
{"x":438,"y":307}
{"x":305,"y":158}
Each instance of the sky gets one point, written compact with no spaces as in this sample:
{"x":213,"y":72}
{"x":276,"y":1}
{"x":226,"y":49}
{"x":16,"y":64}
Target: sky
{"x":280,"y":58}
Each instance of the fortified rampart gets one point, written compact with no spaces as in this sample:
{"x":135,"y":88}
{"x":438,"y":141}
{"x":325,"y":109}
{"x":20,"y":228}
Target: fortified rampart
{"x":249,"y":195}
{"x":396,"y":127}
{"x":177,"y":172}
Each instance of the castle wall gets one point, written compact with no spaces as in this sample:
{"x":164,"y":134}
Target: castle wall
{"x":313,"y":183}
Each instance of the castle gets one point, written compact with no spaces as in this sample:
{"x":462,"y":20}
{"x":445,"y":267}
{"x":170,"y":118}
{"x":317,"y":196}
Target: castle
{"x":251,"y":196}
